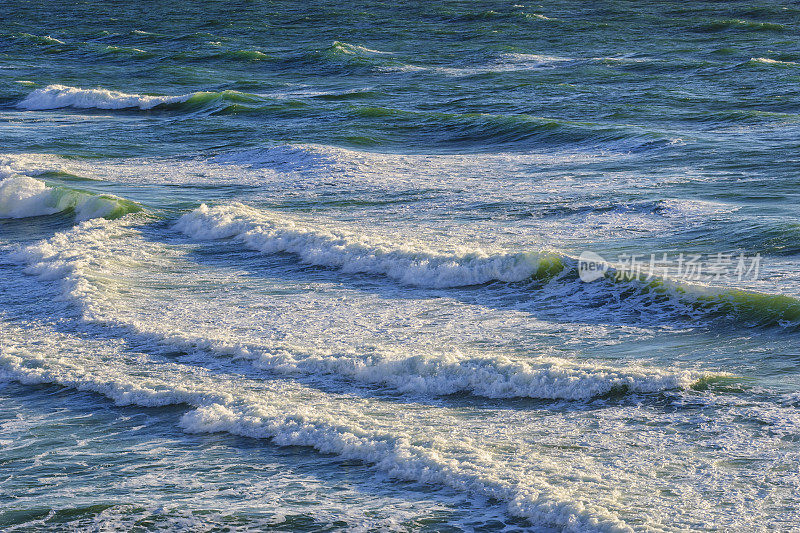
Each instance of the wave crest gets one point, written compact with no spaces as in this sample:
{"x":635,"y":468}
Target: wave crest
{"x":58,"y":96}
{"x":355,"y":254}
{"x":354,"y":49}
{"x":23,"y":196}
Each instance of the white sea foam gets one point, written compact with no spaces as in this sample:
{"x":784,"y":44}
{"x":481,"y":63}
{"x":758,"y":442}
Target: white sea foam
{"x":559,"y":467}
{"x":22,"y":196}
{"x":281,"y":157}
{"x":441,"y":374}
{"x":509,"y":62}
{"x":354,"y":49}
{"x":523,"y":58}
{"x":73,"y":256}
{"x":401,"y":459}
{"x":58,"y":96}
{"x":353,"y":253}
{"x":693,"y":209}
{"x":538,"y":16}
{"x":125,"y":50}
{"x":768,"y":61}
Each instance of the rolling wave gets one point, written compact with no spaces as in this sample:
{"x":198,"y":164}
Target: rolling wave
{"x":486,"y":129}
{"x":23,"y":196}
{"x":62,"y":96}
{"x":475,"y":129}
{"x":353,"y":254}
{"x":420,"y":267}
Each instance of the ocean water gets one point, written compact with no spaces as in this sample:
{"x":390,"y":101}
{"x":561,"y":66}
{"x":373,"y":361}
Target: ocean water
{"x":321,"y":266}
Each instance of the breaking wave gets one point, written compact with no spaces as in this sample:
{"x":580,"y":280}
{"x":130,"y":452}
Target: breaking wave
{"x":352,"y":253}
{"x":58,"y":96}
{"x":63,"y":96}
{"x":23,"y":196}
{"x":417,"y":266}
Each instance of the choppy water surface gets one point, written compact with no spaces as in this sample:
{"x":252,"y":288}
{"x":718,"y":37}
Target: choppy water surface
{"x":314,"y":266}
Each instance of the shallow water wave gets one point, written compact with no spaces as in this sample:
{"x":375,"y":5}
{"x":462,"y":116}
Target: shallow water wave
{"x":22,"y":196}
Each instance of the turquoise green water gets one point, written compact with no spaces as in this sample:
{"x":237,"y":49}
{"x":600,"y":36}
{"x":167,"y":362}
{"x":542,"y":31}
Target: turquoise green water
{"x":317,"y":267}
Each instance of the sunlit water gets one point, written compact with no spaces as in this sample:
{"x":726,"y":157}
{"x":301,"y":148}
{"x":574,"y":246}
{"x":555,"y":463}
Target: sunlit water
{"x":314,"y":266}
